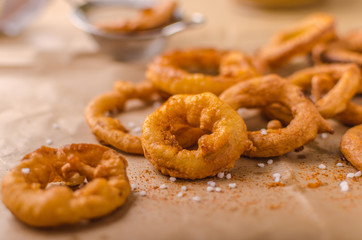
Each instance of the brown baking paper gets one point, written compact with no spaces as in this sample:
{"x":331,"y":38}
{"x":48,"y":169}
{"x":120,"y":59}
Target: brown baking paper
{"x":50,"y":73}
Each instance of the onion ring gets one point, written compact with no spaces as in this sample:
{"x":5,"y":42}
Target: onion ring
{"x":225,"y":139}
{"x":352,"y":115}
{"x":263,"y":91}
{"x":167,"y":72}
{"x":25,"y":193}
{"x":351,"y":146}
{"x":298,"y":40}
{"x":336,"y":100}
{"x":147,"y":19}
{"x":110,"y":130}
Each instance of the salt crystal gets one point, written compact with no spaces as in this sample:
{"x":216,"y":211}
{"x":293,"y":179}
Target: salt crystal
{"x":217,"y":189}
{"x":228,"y":176}
{"x":324,"y":135}
{"x":261,"y":165}
{"x":133,"y":186}
{"x":220,"y":175}
{"x":196,"y":199}
{"x":183,"y":188}
{"x":270,"y":161}
{"x":358,"y":174}
{"x":211,"y":183}
{"x":322,"y":166}
{"x":163,"y":186}
{"x":172,"y":179}
{"x":142,"y":193}
{"x":25,"y":170}
{"x":263,"y":131}
{"x":49,"y":142}
{"x":350,"y":175}
{"x":209,"y":189}
{"x":344,"y":186}
{"x":232,"y":185}
{"x":339,"y":164}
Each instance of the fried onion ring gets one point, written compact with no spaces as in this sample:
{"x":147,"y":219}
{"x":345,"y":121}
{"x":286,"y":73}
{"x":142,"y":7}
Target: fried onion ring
{"x":336,"y":100}
{"x":25,"y":191}
{"x":146,"y":19}
{"x":110,"y":130}
{"x":172,"y":72}
{"x":298,"y":40}
{"x":351,"y":146}
{"x":224,"y":140}
{"x":352,"y":115}
{"x":263,"y":91}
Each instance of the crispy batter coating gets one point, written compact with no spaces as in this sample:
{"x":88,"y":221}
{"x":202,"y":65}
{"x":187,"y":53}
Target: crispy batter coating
{"x":351,"y":146}
{"x":298,"y":40}
{"x":174,"y":72}
{"x":110,"y":130}
{"x":25,"y":192}
{"x":263,"y":91}
{"x":217,"y":150}
{"x":346,"y":82}
{"x":146,"y":19}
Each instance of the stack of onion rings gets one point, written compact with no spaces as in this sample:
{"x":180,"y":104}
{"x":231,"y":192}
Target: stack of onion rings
{"x":147,"y":19}
{"x":336,"y":100}
{"x":172,"y":71}
{"x":263,"y":91}
{"x":24,"y":189}
{"x":225,"y":139}
{"x":351,"y":146}
{"x":110,"y":130}
{"x":300,"y":39}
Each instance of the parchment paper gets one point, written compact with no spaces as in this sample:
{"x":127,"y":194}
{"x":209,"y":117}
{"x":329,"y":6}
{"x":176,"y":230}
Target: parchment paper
{"x":50,"y":73}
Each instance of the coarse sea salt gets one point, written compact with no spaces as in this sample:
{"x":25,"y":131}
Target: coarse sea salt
{"x":172,"y":179}
{"x":210,"y":189}
{"x":25,"y":170}
{"x":211,"y":183}
{"x":228,"y":176}
{"x":217,"y":189}
{"x":183,"y":188}
{"x":196,"y":199}
{"x":324,"y":135}
{"x":133,"y":186}
{"x":350,"y":175}
{"x":344,"y":186}
{"x":263,"y":131}
{"x":142,"y":193}
{"x":270,"y":161}
{"x":163,"y":186}
{"x":232,"y":185}
{"x":358,"y":174}
{"x":220,"y":175}
{"x":261,"y":165}
{"x":322,"y":166}
{"x":339,"y":164}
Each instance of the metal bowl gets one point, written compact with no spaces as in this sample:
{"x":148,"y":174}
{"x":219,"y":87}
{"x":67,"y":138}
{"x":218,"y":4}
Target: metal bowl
{"x":132,"y":46}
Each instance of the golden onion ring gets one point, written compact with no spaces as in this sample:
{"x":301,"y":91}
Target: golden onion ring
{"x":25,"y":193}
{"x":217,"y":150}
{"x":172,"y":72}
{"x":263,"y":91}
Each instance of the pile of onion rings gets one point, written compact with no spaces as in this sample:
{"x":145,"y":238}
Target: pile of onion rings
{"x":26,"y":193}
{"x":172,"y":72}
{"x":217,"y":150}
{"x":263,"y":91}
{"x":148,"y":18}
